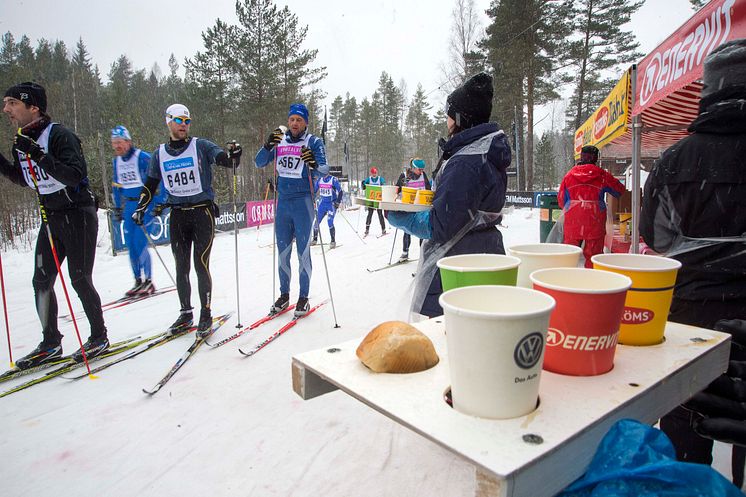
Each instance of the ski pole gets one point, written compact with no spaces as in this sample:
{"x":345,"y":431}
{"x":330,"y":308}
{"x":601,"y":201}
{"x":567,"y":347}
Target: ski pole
{"x":274,"y":238}
{"x":391,"y":256}
{"x":5,"y":310}
{"x":323,"y":253}
{"x":235,"y":238}
{"x":152,"y":244}
{"x":45,"y":222}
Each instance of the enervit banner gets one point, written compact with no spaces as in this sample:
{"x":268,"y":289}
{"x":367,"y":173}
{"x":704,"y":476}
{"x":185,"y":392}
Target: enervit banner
{"x":679,"y":60}
{"x":609,"y":120}
{"x":260,"y":212}
{"x":158,"y":230}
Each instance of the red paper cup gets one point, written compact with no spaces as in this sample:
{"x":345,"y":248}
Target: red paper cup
{"x":584,"y":327}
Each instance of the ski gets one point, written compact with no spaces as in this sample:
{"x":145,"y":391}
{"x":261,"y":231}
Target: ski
{"x":387,"y":266}
{"x":279,"y":332}
{"x":382,"y":234}
{"x":16,"y":373}
{"x":64,"y":368}
{"x":151,"y":345}
{"x":123,"y":301}
{"x":254,"y":325}
{"x":189,"y":353}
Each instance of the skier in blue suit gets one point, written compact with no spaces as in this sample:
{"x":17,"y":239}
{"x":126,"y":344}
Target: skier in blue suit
{"x":130,"y":169}
{"x":330,"y":194}
{"x":296,"y":154}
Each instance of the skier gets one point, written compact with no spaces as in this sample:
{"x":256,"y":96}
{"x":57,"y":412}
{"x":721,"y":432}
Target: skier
{"x":581,"y":195}
{"x":130,"y":167}
{"x":413,"y":177}
{"x":62,"y":177}
{"x":374,"y":179}
{"x":469,"y":191}
{"x":184,"y":166}
{"x":290,"y":150}
{"x":330,"y":193}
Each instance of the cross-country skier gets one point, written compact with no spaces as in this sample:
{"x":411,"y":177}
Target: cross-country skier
{"x":130,"y":167}
{"x":62,"y":177}
{"x":414,"y":177}
{"x":374,"y":179}
{"x":296,"y":154}
{"x":330,"y":195}
{"x":184,"y":164}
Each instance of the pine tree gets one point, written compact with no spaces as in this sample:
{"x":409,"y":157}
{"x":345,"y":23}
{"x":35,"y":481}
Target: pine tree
{"x":545,"y":160}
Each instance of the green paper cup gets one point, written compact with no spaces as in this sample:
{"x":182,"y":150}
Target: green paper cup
{"x":373,"y":195}
{"x":478,"y":269}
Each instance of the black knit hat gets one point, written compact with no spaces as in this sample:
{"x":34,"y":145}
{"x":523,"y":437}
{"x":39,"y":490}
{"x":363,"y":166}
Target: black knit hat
{"x":588,"y":155}
{"x":30,"y":94}
{"x":725,"y":66}
{"x":471,"y":103}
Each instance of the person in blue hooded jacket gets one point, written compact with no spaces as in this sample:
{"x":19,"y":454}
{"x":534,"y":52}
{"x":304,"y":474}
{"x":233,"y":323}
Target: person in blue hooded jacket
{"x":130,"y":168}
{"x":299,"y":158}
{"x":470,"y":183}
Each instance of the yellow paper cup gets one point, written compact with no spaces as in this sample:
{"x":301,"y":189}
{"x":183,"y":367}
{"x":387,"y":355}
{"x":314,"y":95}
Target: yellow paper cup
{"x":424,"y":197}
{"x":648,"y":300}
{"x":408,"y":194}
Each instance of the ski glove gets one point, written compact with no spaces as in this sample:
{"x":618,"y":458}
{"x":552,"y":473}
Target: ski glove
{"x":723,"y":403}
{"x":415,"y":223}
{"x":234,"y":152}
{"x":336,"y":205}
{"x":116,"y":214}
{"x":159,"y":208}
{"x":306,"y":154}
{"x":29,"y":147}
{"x":138,"y":216}
{"x":274,"y":138}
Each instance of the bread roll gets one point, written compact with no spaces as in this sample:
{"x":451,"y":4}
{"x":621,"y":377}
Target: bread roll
{"x":397,"y":347}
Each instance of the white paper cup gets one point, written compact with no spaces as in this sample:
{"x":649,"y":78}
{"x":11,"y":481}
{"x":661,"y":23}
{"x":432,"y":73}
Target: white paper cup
{"x":535,"y":256}
{"x":496,"y":337}
{"x":388,"y":193}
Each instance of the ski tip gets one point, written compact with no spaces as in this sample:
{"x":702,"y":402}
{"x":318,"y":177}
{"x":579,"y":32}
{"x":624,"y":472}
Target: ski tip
{"x":148,"y":392}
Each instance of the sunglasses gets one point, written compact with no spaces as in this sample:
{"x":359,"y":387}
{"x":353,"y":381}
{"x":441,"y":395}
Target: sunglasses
{"x":181,"y":120}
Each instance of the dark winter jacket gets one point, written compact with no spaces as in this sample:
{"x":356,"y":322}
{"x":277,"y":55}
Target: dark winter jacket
{"x":471,"y":178}
{"x":582,"y":197}
{"x":64,"y":161}
{"x":698,"y":190}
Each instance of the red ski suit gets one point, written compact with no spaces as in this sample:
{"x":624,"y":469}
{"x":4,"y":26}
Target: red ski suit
{"x":581,"y":195}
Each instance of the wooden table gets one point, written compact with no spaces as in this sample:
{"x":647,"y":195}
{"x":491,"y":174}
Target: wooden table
{"x":541,"y":453}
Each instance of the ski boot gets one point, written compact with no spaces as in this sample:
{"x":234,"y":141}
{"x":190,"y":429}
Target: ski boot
{"x":147,"y":288}
{"x":332,"y":244}
{"x":182,"y":323}
{"x":204,"y":327}
{"x":302,"y":307}
{"x":280,"y":304}
{"x":404,"y":257}
{"x":93,"y":347}
{"x":315,"y":241}
{"x":133,"y":291}
{"x":367,"y":230}
{"x":42,"y":353}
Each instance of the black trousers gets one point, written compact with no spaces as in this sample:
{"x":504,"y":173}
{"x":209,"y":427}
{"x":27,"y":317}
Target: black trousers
{"x":370,"y":216}
{"x":193,"y":226}
{"x":74,"y":234}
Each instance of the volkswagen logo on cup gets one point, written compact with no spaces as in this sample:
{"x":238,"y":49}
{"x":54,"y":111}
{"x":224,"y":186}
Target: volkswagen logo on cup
{"x":528,"y":351}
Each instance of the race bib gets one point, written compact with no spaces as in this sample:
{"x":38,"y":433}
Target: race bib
{"x":128,"y":172}
{"x":289,"y":164}
{"x":47,"y":184}
{"x":181,"y":174}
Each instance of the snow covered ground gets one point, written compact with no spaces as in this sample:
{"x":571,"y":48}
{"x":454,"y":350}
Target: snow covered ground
{"x":226,"y":425}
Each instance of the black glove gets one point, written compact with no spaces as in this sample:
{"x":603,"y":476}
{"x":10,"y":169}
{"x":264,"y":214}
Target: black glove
{"x":138,"y":216}
{"x":723,"y":403}
{"x":158,"y":209}
{"x":29,"y":147}
{"x":274,"y":138}
{"x":116,"y":214}
{"x":306,"y":155}
{"x":336,"y":205}
{"x":234,"y":152}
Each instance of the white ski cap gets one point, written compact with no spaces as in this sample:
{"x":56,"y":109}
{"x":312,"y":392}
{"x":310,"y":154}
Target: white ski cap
{"x":177,"y":110}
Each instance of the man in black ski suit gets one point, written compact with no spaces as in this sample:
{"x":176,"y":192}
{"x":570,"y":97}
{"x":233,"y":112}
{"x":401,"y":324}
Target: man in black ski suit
{"x":61,"y":175}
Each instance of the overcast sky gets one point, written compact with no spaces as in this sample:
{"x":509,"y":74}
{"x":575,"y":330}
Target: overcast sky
{"x":356,"y":39}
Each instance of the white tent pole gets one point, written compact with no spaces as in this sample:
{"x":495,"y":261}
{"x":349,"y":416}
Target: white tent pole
{"x":636,"y":152}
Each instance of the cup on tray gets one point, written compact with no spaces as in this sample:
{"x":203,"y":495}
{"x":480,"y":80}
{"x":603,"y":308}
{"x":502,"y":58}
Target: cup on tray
{"x":478,"y":269}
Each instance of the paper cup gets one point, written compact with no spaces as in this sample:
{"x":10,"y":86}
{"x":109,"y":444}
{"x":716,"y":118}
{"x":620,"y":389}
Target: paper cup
{"x":424,"y":197}
{"x":495,"y":337}
{"x":584,"y":327}
{"x":373,"y":194}
{"x":478,"y":269}
{"x":535,"y":256}
{"x":408,"y":194}
{"x":649,"y":300}
{"x":389,"y":192}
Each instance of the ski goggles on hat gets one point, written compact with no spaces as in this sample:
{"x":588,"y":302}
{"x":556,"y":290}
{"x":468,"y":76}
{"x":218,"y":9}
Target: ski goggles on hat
{"x":181,"y":120}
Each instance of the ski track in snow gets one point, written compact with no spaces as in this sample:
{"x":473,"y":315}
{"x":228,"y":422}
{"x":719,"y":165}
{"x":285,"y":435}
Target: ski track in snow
{"x":225,"y":425}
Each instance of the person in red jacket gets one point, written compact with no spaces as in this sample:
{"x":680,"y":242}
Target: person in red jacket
{"x":581,"y":195}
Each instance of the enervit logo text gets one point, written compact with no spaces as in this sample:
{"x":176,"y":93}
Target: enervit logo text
{"x":557,"y":338}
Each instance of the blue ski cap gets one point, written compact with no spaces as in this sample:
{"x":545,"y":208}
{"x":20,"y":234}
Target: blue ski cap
{"x":418,"y":163}
{"x":121,"y":133}
{"x":299,"y":110}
